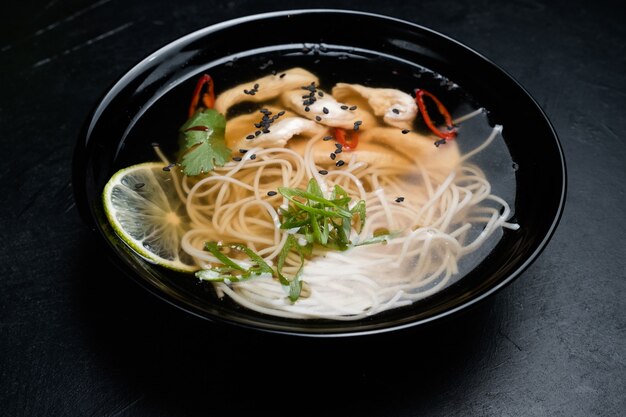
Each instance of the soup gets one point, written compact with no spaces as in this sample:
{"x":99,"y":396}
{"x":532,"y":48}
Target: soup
{"x":312,"y":193}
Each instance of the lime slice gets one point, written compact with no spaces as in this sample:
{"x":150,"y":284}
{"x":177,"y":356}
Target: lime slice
{"x":142,"y":205}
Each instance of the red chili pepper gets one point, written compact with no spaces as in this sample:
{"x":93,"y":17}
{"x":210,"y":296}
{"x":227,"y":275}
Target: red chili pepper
{"x":349,"y":140}
{"x":419,"y":99}
{"x":208,"y":98}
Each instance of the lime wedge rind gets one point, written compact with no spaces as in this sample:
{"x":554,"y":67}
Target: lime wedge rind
{"x":136,"y":205}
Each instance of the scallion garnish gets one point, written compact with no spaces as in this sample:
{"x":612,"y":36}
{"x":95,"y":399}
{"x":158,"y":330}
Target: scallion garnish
{"x":323,"y":222}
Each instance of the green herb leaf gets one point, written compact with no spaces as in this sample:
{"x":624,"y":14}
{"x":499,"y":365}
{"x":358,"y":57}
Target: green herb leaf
{"x":314,"y":188}
{"x":359,"y":209}
{"x":378,"y":238}
{"x":322,"y":221}
{"x":203,"y":145}
{"x":262,"y":265}
{"x":295,"y":284}
{"x":216,"y":250}
{"x":292,"y":193}
{"x":231,"y":270}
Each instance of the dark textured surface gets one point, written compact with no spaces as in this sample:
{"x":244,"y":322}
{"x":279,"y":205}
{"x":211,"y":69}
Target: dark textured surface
{"x":553,"y":343}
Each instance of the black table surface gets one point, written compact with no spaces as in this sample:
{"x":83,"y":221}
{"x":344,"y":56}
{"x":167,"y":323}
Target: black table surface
{"x":79,"y":339}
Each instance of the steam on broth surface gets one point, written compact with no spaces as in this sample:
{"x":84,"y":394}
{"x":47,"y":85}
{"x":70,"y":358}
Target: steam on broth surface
{"x":341,"y":196}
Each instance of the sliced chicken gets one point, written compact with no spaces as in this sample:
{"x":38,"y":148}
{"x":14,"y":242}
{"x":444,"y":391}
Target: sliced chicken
{"x":325,"y":109}
{"x":397,"y":108}
{"x":416,"y":147}
{"x":370,"y":153}
{"x":265,"y":88}
{"x":276,"y":128}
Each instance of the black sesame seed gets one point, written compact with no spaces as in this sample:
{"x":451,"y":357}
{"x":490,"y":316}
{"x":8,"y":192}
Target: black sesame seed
{"x":396,"y":111}
{"x":250,"y":137}
{"x":318,"y":118}
{"x":325,"y":110}
{"x":253,"y":156}
{"x":405,"y":131}
{"x":440,"y":142}
{"x":243,"y":150}
{"x":237,"y":158}
{"x":344,"y":107}
{"x":139,"y":185}
{"x":257,"y":133}
{"x":338,"y":150}
{"x":339,"y":163}
{"x":338,"y":145}
{"x":271,"y":193}
{"x":320,"y":93}
{"x":323,"y":172}
{"x":266,"y":131}
{"x":256,"y":86}
{"x":307,"y":108}
{"x":282,"y":75}
{"x":353,"y":108}
{"x":327,"y":138}
{"x":280,"y":113}
{"x":332,"y":155}
{"x":399,"y":199}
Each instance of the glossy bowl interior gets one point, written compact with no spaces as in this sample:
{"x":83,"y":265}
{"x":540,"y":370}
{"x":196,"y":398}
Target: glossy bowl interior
{"x":128,"y":106}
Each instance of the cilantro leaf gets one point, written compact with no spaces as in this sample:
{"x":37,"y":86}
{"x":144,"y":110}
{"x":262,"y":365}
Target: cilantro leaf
{"x":202,"y":142}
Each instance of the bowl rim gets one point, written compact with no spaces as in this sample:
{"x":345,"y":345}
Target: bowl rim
{"x":110,"y":92}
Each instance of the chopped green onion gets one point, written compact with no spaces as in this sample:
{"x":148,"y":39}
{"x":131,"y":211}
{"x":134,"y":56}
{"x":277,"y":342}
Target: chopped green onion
{"x":327,"y":222}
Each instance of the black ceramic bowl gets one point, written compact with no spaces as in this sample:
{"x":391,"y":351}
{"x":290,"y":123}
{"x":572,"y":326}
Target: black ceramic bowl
{"x":141,"y":107}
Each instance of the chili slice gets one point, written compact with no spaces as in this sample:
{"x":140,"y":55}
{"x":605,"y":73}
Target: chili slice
{"x":208,"y":98}
{"x":348,"y":140}
{"x":419,"y":99}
